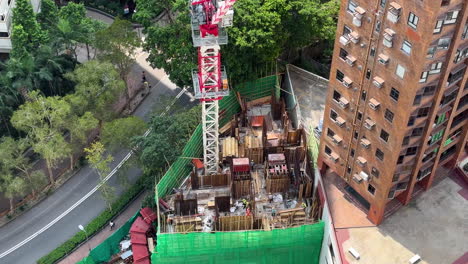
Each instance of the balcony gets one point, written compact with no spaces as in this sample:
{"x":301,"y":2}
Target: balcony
{"x":460,"y":118}
{"x":456,"y":74}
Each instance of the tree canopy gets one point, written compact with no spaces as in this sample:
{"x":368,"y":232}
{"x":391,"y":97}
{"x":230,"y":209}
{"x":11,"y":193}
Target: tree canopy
{"x":120,"y":132}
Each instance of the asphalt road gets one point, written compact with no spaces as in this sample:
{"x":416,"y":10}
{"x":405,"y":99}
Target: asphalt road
{"x":74,"y":189}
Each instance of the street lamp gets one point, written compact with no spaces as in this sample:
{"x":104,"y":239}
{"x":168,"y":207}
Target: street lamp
{"x":86,"y":233}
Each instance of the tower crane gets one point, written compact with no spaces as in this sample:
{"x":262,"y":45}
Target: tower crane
{"x":209,"y":18}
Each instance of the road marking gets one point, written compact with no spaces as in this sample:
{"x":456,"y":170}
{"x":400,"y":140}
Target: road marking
{"x":79,"y":202}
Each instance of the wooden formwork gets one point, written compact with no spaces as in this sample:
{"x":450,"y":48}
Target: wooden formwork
{"x":235,"y":223}
{"x":187,"y":224}
{"x":241,"y":188}
{"x":277,"y":185}
{"x":214,"y":180}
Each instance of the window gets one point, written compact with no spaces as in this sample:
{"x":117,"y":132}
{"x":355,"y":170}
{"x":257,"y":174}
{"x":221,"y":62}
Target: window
{"x":379,"y":154}
{"x":429,"y":90}
{"x":346,"y":31}
{"x":336,"y":96}
{"x":402,"y":186}
{"x":391,"y":194}
{"x":438,"y":26}
{"x":405,"y":141}
{"x":363,"y":95}
{"x":435,"y":68}
{"x":465,"y":31}
{"x":330,"y":132}
{"x":411,"y":151}
{"x":343,"y":54}
{"x":352,"y":153}
{"x":443,"y":43}
{"x":348,"y":170}
{"x":422,"y":112}
{"x":411,"y":120}
{"x":352,"y":6}
{"x":400,"y":71}
{"x":430,"y":52}
{"x":417,"y":99}
{"x":327,"y":150}
{"x":394,"y":94}
{"x":382,"y":3}
{"x":417,"y":132}
{"x":371,"y":189}
{"x":333,"y":115}
{"x":339,"y":75}
{"x":400,"y":159}
{"x":359,"y":116}
{"x":460,"y":54}
{"x":372,"y":52}
{"x":406,"y":47}
{"x":389,"y":115}
{"x":377,"y":26}
{"x":368,"y":74}
{"x":451,"y":17}
{"x":423,"y":77}
{"x":396,"y":177}
{"x":384,"y":135}
{"x":356,"y":135}
{"x":375,"y":172}
{"x":413,"y":20}
{"x":445,"y":2}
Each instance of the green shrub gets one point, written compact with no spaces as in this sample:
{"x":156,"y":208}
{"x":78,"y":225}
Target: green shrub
{"x":96,"y":224}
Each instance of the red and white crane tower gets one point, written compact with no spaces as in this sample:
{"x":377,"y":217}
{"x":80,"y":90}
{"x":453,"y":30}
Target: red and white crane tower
{"x":209,"y":20}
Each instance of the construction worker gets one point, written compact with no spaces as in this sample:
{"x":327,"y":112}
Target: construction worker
{"x":245,"y":203}
{"x":304,"y":205}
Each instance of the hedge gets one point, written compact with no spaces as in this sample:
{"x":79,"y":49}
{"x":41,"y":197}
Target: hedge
{"x":96,"y":224}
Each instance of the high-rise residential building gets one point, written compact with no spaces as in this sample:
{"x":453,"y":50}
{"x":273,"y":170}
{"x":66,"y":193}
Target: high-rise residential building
{"x":6,"y":14}
{"x":397,"y":103}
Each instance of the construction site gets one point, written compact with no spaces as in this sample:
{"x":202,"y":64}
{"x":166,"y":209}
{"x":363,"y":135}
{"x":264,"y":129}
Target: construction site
{"x":244,"y":188}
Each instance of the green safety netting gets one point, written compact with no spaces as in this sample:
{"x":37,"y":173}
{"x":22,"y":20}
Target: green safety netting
{"x":103,"y":252}
{"x":292,"y":245}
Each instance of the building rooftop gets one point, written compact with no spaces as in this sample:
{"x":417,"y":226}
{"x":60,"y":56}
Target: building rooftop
{"x":431,"y":226}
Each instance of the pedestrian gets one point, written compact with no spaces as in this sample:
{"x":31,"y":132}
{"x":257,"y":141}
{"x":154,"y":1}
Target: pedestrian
{"x":143,"y":77}
{"x":111,"y":224}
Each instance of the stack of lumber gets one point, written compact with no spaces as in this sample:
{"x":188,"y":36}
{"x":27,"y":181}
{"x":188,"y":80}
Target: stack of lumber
{"x":230,"y":147}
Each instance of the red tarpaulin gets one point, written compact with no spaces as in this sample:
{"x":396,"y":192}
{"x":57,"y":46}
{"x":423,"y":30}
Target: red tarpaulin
{"x":148,"y":215}
{"x":139,"y":252}
{"x":197,"y":163}
{"x":143,"y":261}
{"x":257,"y":121}
{"x":139,"y":226}
{"x":138,"y":238}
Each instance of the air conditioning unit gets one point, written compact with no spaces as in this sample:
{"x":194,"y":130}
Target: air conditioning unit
{"x":364,"y":176}
{"x":383,"y":59}
{"x":388,"y":38}
{"x":357,"y":22}
{"x":336,"y":139}
{"x":334,"y":157}
{"x":354,"y":37}
{"x":340,"y":121}
{"x":350,"y":60}
{"x":365,"y":143}
{"x":361,"y":161}
{"x":369,"y":124}
{"x":347,"y":82}
{"x":373,"y":104}
{"x":343,"y":103}
{"x":378,"y":82}
{"x":344,"y":40}
{"x":393,"y":14}
{"x":359,"y":12}
{"x":357,"y":178}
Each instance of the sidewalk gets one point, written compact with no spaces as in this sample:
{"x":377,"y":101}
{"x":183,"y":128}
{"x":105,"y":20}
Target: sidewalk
{"x":83,"y":250}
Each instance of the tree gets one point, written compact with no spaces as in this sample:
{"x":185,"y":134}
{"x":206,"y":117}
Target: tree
{"x":117,"y":44}
{"x":167,"y":139}
{"x":100,"y":162}
{"x":31,"y":35}
{"x":43,"y":118}
{"x":262,"y":31}
{"x":78,"y":127}
{"x":119,"y":132}
{"x":98,"y":87}
{"x":11,"y":187}
{"x":13,"y":158}
{"x":48,"y":17}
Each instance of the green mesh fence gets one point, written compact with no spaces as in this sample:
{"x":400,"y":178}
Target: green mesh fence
{"x":292,"y":245}
{"x":103,"y":252}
